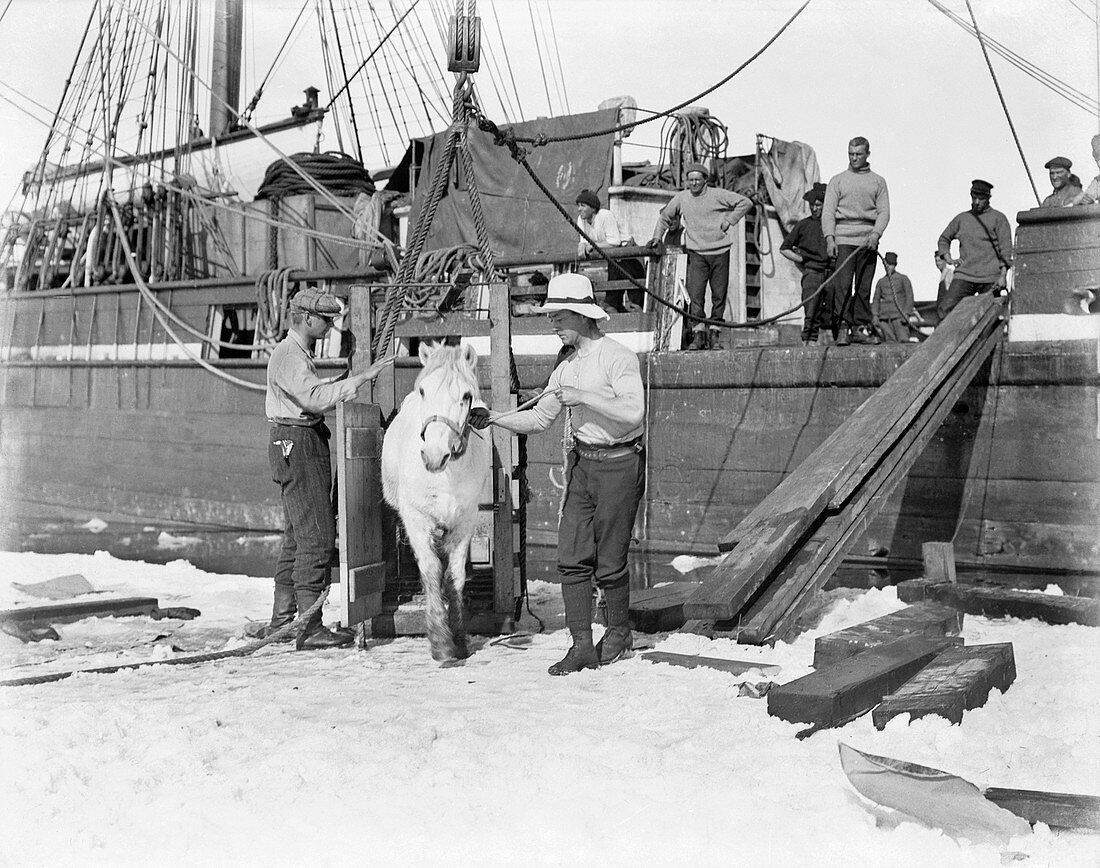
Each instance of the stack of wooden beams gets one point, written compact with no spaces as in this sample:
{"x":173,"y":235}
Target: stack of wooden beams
{"x":787,"y":547}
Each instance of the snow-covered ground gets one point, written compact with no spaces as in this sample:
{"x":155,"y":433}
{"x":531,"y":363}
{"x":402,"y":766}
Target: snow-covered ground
{"x":381,"y":757}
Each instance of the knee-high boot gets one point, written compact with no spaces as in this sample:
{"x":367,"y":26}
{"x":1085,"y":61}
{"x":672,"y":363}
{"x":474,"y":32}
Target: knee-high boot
{"x":617,"y":641}
{"x":578,"y":618}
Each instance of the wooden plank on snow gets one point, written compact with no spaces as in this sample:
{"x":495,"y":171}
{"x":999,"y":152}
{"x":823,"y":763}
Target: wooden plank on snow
{"x":849,"y":688}
{"x":694,"y":661}
{"x":958,"y":680}
{"x":63,"y":613}
{"x":653,"y":610}
{"x":1057,"y":810}
{"x":921,"y":619}
{"x":1003,"y":602}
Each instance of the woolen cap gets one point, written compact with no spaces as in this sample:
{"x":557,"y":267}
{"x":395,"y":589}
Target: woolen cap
{"x":815,"y":193}
{"x":696,"y":167}
{"x":980,"y":187}
{"x":587,"y":197}
{"x":313,"y":300}
{"x":891,"y":258}
{"x":1059,"y":163}
{"x":572,"y":292}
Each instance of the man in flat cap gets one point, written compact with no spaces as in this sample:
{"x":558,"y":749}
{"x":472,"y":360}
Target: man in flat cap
{"x":893,"y":305}
{"x":1065,"y":192}
{"x":805,"y":247}
{"x":297,"y":399}
{"x":854,"y":216}
{"x":599,"y":386}
{"x":985,"y":249}
{"x":708,"y":214}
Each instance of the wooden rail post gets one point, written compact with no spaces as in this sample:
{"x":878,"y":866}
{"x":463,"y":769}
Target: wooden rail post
{"x":505,"y":581}
{"x":939,"y":561}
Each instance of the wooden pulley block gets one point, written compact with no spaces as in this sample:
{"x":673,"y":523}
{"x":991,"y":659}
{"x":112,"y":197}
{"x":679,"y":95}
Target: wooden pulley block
{"x":464,"y":43}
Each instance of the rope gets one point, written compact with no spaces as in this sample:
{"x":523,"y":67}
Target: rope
{"x":207,"y":657}
{"x":1001,"y":97}
{"x":339,"y":173}
{"x":520,"y":156}
{"x":545,"y":140}
{"x":150,"y":296}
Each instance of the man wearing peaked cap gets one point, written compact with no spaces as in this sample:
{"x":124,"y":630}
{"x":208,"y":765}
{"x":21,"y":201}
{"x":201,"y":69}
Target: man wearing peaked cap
{"x":1065,"y":191}
{"x":708,"y":214}
{"x":295,"y":404}
{"x":805,"y":247}
{"x":985,"y":249}
{"x":893,"y":305}
{"x":599,"y":386}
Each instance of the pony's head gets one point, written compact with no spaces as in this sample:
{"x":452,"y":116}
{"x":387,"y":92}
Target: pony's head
{"x":447,"y":387}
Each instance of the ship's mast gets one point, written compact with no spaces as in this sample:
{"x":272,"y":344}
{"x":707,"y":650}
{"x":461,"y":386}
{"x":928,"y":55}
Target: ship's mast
{"x":225,"y":77}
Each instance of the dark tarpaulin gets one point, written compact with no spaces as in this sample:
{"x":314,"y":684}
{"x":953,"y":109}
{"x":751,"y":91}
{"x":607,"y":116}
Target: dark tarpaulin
{"x":519,"y":217}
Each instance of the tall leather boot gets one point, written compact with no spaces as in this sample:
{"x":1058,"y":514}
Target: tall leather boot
{"x":283,"y":610}
{"x":314,"y":635}
{"x":617,"y":642}
{"x":578,"y":618}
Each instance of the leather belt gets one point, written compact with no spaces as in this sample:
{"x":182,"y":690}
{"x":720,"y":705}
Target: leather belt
{"x":609,"y":452}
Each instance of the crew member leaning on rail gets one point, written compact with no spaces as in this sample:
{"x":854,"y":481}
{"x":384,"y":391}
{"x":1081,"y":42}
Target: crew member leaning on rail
{"x":853,"y":218}
{"x":599,"y":386}
{"x":985,"y":249}
{"x":708,"y":215}
{"x":296,"y":402}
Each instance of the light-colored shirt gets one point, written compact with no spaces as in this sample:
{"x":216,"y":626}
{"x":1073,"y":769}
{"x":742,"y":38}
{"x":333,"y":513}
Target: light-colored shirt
{"x":603,"y":367}
{"x":856,"y":204}
{"x":602,"y":229}
{"x":1093,"y":190}
{"x":979,"y":261}
{"x":703,"y":217}
{"x":295,"y":394}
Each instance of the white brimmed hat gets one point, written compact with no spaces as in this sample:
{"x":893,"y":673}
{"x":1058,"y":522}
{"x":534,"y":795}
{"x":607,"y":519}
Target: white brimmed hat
{"x":572,"y":292}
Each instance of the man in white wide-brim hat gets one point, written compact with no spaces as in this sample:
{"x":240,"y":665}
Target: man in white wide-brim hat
{"x":599,"y":385}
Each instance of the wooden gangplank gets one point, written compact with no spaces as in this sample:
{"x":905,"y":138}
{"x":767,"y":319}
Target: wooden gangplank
{"x":785,"y":549}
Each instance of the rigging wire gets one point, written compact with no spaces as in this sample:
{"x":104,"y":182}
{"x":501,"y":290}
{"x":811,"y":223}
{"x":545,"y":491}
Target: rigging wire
{"x":542,"y":39}
{"x":1089,"y":15}
{"x":1051,"y":82}
{"x":1000,"y":96}
{"x":557,"y":52}
{"x":544,"y":140}
{"x":538,"y":49}
{"x":507,"y":60}
{"x":274,"y":63}
{"x":344,"y":72}
{"x":375,"y":51}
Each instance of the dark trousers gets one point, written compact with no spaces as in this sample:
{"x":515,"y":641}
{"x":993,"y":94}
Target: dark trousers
{"x":701,"y":269}
{"x":852,"y":287}
{"x":300,"y":466}
{"x":817,"y":311}
{"x":958,"y":290}
{"x":894,"y":331}
{"x":600,"y":504}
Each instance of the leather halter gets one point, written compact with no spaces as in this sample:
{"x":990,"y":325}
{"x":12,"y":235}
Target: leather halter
{"x":463,"y":430}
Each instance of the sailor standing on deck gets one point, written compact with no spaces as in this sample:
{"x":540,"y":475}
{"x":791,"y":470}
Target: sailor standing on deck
{"x":296,"y":402}
{"x":708,"y":214}
{"x":893,"y":305}
{"x":805,"y":247}
{"x":599,"y":386}
{"x":855,"y":214}
{"x":985,"y":249}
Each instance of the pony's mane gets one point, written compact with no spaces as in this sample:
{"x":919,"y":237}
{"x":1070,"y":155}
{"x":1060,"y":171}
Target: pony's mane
{"x":448,"y":357}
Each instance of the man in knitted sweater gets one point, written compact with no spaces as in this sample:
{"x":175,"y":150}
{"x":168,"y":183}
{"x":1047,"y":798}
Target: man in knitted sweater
{"x":856,"y":213}
{"x":985,"y":249}
{"x":708,"y":214}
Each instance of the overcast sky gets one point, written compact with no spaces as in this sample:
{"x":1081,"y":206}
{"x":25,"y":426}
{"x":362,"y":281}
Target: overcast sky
{"x":896,"y":71}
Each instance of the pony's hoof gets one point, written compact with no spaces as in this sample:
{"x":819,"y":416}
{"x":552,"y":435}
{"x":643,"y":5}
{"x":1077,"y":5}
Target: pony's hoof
{"x":452,"y":664}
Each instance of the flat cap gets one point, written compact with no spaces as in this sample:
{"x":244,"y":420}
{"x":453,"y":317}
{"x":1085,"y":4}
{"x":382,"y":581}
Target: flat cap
{"x":313,"y":300}
{"x":980,"y":187}
{"x":891,"y":258}
{"x":696,"y":167}
{"x":1059,"y":163}
{"x":815,"y":193}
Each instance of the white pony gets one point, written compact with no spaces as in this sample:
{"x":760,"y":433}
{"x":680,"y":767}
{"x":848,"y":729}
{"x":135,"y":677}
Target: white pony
{"x":434,"y":468}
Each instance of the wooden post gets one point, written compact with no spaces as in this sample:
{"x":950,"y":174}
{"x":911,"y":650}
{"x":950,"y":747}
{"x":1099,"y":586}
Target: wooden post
{"x":939,"y":561}
{"x":501,"y":397}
